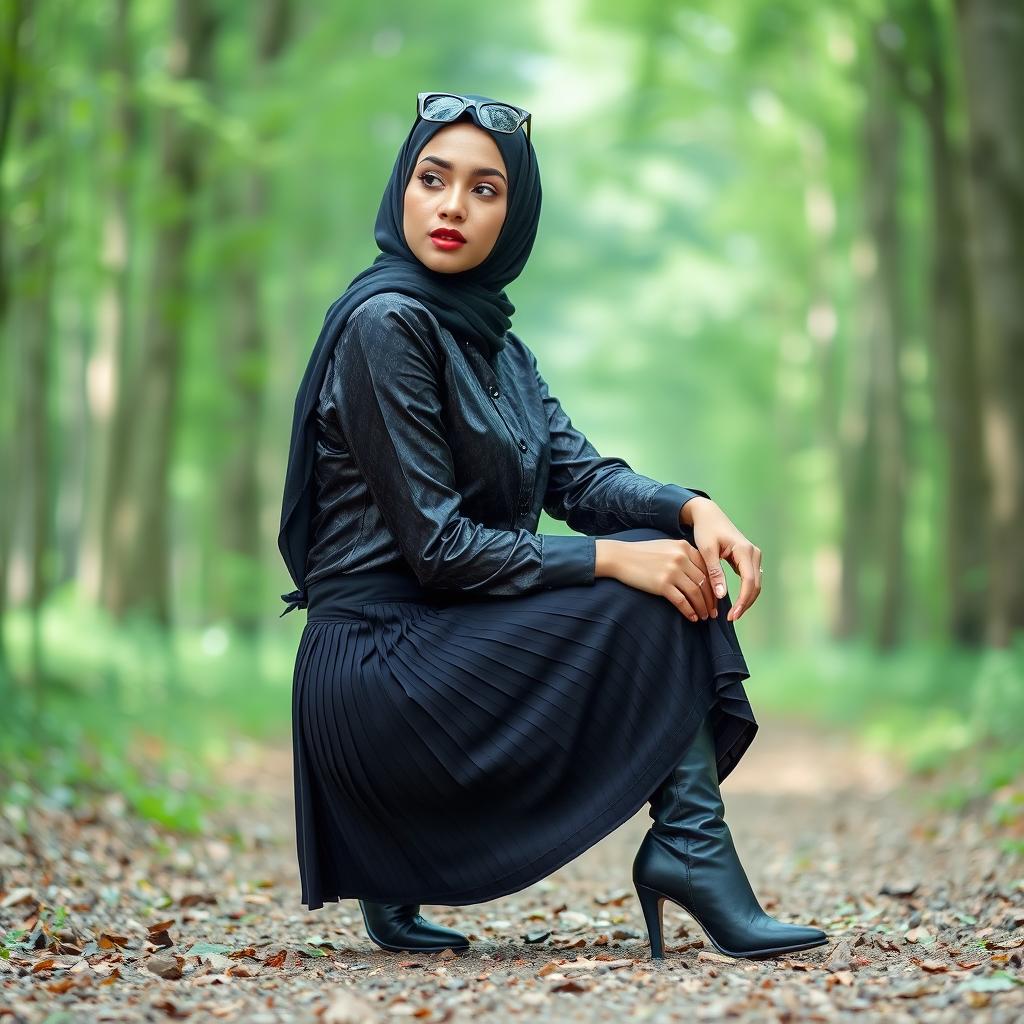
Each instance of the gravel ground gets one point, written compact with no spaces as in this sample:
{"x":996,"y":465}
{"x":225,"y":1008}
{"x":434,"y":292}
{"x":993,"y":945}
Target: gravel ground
{"x":111,"y":919}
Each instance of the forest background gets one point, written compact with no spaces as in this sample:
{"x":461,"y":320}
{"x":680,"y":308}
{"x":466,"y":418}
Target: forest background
{"x":806,"y":219}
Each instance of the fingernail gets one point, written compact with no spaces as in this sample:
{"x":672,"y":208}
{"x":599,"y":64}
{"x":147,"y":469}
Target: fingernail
{"x":720,"y":590}
{"x":714,"y":613}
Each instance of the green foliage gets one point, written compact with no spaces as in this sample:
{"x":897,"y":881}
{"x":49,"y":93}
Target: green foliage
{"x":124,"y":713}
{"x":931,"y":707}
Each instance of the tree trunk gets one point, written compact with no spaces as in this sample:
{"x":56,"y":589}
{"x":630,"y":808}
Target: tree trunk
{"x":35,"y":314}
{"x":107,"y":395}
{"x":992,"y":51}
{"x":883,"y":145}
{"x":10,"y":33}
{"x":140,"y":520}
{"x":919,"y":69}
{"x":241,"y":593}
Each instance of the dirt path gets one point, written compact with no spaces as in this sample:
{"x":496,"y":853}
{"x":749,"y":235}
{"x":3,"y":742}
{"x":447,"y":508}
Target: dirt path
{"x":925,"y":913}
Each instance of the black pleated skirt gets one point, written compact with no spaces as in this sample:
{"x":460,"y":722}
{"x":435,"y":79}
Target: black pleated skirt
{"x":451,"y":749}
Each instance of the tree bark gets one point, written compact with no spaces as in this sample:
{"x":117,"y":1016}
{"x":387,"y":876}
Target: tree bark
{"x":14,"y":12}
{"x":883,"y":146}
{"x":991,"y":41}
{"x":35,"y":314}
{"x":919,"y":69}
{"x":107,"y":395}
{"x":240,"y":494}
{"x":141,"y":573}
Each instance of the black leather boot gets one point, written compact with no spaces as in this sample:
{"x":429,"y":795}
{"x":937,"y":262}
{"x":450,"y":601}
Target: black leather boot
{"x":400,"y":928}
{"x":688,"y":857}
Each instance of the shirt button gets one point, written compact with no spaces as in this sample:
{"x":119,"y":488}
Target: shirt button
{"x":494,"y":391}
{"x":524,"y":508}
{"x":522,"y":445}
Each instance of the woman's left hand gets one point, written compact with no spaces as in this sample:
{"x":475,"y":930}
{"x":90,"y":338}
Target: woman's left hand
{"x":716,"y":537}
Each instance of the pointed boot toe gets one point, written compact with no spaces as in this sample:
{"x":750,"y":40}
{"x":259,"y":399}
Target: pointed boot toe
{"x":400,"y":928}
{"x":788,"y":938}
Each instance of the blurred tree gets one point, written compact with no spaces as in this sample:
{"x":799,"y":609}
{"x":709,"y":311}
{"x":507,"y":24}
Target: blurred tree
{"x":887,"y":436}
{"x":910,"y":38}
{"x":12,"y":17}
{"x":39,"y":188}
{"x":110,"y":403}
{"x":243,"y":203}
{"x":140,"y":573}
{"x":991,"y":40}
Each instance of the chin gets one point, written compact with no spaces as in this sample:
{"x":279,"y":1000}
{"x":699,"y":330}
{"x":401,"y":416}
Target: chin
{"x":443,"y":266}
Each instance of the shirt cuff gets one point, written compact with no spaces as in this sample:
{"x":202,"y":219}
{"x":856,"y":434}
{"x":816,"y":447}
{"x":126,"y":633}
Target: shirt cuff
{"x":567,"y":560}
{"x":668,"y":502}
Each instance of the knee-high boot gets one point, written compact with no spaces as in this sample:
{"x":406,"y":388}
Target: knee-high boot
{"x":399,"y":927}
{"x":688,"y":856}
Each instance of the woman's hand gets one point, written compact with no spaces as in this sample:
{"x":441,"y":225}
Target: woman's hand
{"x":717,"y":537}
{"x":674,"y":569}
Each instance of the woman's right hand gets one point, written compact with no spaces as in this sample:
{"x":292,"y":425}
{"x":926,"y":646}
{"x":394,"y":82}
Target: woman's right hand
{"x":673,"y":569}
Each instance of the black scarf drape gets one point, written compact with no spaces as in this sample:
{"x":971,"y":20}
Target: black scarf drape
{"x":471,"y":304}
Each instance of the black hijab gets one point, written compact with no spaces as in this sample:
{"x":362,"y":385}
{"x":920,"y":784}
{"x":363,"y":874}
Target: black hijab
{"x":471,"y":304}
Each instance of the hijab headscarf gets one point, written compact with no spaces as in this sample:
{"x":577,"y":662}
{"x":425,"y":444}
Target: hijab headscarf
{"x":472,"y":304}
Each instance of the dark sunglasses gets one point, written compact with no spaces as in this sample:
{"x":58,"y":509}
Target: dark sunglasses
{"x":446,"y":106}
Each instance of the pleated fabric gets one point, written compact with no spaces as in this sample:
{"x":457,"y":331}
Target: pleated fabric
{"x":455,"y":751}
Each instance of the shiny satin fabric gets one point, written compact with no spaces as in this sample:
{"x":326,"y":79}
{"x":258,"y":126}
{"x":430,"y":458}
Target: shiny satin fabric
{"x":434,"y":459}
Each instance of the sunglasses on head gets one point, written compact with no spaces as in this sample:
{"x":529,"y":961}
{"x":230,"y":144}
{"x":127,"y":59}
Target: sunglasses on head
{"x":447,"y":106}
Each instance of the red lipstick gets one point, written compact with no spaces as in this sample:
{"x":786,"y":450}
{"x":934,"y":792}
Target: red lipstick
{"x":448,"y":239}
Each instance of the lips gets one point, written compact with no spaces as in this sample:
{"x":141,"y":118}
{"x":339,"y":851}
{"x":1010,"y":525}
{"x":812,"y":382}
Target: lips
{"x":451,"y":233}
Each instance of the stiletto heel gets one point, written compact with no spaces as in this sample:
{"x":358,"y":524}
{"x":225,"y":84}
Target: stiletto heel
{"x":653,"y":905}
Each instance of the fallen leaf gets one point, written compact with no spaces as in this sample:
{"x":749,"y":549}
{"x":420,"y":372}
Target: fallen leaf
{"x":917,"y":990}
{"x":16,"y":896}
{"x":549,"y":967}
{"x":195,"y":898}
{"x":278,"y":959}
{"x":170,"y":1009}
{"x":203,"y":948}
{"x":901,"y":887}
{"x":615,"y":900}
{"x":718,"y":958}
{"x":569,"y":985}
{"x":165,"y":965}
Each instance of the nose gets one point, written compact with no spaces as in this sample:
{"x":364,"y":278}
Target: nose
{"x":453,"y":206}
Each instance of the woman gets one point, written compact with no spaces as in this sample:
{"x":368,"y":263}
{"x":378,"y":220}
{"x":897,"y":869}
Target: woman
{"x":476,"y":704}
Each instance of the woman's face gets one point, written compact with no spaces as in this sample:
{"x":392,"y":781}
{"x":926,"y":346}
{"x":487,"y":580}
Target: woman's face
{"x":460,"y":184}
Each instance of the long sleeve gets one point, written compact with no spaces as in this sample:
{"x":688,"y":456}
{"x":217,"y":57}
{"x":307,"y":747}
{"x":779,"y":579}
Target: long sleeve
{"x":598,"y":494}
{"x":390,"y":412}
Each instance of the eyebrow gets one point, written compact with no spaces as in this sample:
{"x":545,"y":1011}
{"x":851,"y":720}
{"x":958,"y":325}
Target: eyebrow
{"x":447,"y":165}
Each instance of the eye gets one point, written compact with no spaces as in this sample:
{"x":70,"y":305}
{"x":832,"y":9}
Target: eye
{"x":431,"y":174}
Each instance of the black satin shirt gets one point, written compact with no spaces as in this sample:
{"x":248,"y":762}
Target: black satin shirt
{"x":430,"y":457}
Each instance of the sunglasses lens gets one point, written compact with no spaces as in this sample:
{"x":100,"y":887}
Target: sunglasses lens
{"x":442,"y":107}
{"x":500,"y":117}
